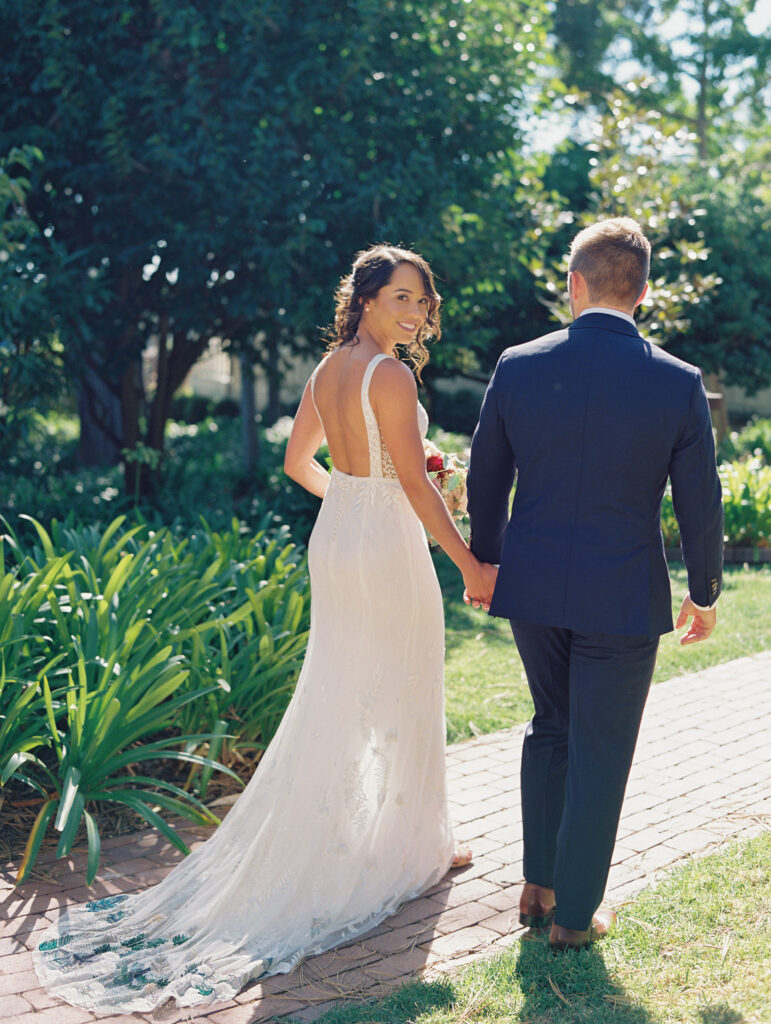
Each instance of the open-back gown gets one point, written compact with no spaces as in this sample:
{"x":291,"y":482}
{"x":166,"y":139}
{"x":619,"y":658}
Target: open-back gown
{"x":346,"y":816}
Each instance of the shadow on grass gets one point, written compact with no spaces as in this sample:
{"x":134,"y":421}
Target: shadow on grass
{"x":407,"y":1003}
{"x":573,"y":986}
{"x":720,"y":1014}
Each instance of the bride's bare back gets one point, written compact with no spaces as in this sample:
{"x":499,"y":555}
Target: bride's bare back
{"x":337,"y":395}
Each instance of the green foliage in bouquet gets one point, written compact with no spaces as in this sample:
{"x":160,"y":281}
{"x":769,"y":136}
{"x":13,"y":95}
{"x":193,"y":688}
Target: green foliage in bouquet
{"x":116,"y":649}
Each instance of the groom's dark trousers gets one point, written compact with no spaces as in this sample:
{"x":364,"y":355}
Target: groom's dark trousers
{"x":594,"y":420}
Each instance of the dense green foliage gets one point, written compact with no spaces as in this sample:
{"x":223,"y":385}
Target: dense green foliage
{"x":31,"y":364}
{"x":182,"y":171}
{"x":209,"y":170}
{"x":730,"y":327}
{"x":123,"y":646}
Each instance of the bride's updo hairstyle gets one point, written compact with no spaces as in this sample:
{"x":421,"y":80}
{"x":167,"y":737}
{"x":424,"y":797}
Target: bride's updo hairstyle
{"x":372,"y":269}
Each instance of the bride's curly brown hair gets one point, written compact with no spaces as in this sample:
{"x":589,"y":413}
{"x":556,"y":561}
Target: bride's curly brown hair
{"x":372,"y":269}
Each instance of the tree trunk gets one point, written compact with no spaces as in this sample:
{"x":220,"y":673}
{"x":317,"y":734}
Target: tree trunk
{"x":701,"y":99}
{"x":273,"y":374}
{"x":135,"y":480}
{"x":101,"y":426}
{"x":156,"y":427}
{"x":173,"y":365}
{"x":717,"y":405}
{"x":249,"y":437}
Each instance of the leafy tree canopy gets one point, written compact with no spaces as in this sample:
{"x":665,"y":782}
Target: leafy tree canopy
{"x":210,"y":168}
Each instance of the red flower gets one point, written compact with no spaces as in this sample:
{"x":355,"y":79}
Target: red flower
{"x":434,"y":464}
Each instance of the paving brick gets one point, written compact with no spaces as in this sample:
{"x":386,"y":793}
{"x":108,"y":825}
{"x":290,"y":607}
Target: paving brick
{"x":508,"y":833}
{"x":629,"y":871}
{"x":691,"y":842}
{"x":134,"y":1018}
{"x":485,"y":848}
{"x":510,"y":853}
{"x":14,"y":981}
{"x":659,"y":857}
{"x":462,"y":917}
{"x":314,"y":1012}
{"x":399,"y":940}
{"x":15,"y":1005}
{"x":22,"y":927}
{"x":265,"y":1010}
{"x":503,"y":899}
{"x":461,"y":941}
{"x":274,"y":985}
{"x":11,"y":944}
{"x":465,"y":892}
{"x":40,"y":999}
{"x":398,"y":965}
{"x":506,"y":875}
{"x":16,"y":963}
{"x":504,"y":923}
{"x":422,"y":909}
{"x":62,"y":1013}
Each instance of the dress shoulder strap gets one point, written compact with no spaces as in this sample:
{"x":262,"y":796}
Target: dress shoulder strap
{"x":373,"y":431}
{"x":313,"y":387}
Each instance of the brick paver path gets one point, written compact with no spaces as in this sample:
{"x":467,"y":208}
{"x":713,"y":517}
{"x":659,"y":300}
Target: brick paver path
{"x":701,"y":776}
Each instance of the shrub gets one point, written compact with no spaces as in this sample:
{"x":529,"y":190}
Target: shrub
{"x":746,"y":504}
{"x":109,"y":645}
{"x":753,"y":441}
{"x":203,"y":477}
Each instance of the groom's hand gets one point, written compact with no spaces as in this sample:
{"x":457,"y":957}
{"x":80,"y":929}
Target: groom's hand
{"x":702,"y":625}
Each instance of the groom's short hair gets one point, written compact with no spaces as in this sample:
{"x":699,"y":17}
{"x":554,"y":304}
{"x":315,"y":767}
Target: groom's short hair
{"x":614,"y":257}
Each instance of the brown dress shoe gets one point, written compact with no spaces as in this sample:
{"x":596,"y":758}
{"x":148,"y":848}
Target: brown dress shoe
{"x":567,"y":938}
{"x":536,"y":906}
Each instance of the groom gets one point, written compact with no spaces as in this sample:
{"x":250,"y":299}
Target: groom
{"x":593,"y":419}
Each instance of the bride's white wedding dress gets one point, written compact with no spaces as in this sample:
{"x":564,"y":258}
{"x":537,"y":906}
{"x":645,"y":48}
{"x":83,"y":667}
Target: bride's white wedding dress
{"x":345,"y":818}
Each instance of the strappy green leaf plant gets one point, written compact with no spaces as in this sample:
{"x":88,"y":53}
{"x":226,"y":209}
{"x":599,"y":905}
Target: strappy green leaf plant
{"x":126,"y":646}
{"x":254,"y":648}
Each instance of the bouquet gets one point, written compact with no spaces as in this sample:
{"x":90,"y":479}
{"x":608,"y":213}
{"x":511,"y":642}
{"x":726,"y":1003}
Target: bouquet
{"x":448,"y":473}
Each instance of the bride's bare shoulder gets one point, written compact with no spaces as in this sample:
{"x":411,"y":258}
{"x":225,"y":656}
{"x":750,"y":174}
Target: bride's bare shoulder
{"x":392,"y":381}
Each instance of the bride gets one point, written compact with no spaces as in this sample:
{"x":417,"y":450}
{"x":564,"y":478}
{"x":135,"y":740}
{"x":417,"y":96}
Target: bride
{"x":346,"y":817}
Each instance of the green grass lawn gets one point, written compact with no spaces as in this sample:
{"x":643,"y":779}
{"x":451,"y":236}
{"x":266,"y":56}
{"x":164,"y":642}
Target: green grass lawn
{"x":696,"y":949}
{"x":485,"y":682}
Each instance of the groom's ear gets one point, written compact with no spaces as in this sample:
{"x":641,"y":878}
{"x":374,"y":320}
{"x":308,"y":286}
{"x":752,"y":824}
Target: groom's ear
{"x":577,"y":287}
{"x":643,"y":293}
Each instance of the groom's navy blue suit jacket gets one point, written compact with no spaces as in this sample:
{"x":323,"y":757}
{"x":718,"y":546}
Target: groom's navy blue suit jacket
{"x":594,"y":419}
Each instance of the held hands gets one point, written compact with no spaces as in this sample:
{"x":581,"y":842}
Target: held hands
{"x":480,"y":585}
{"x":702,"y":625}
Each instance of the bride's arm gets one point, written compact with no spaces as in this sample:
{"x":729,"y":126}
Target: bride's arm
{"x":304,"y":441}
{"x":394,"y":399}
